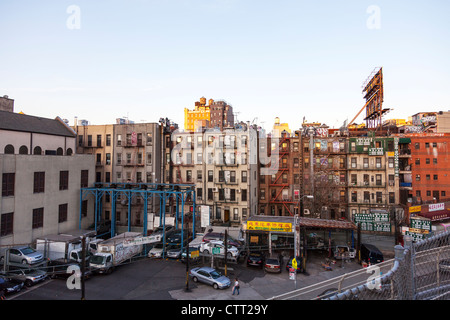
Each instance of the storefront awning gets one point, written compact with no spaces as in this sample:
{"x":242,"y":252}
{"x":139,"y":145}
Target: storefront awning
{"x":436,"y":215}
{"x":404,"y":140}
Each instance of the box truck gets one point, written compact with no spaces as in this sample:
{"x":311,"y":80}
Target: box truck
{"x":114,"y":251}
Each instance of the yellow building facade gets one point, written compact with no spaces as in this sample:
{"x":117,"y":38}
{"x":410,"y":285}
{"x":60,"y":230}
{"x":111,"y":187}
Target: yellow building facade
{"x":201,"y":115}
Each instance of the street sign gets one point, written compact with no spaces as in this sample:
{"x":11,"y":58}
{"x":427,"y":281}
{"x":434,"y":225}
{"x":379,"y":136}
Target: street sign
{"x":216,"y":250}
{"x":294,"y":264}
{"x":292,"y":274}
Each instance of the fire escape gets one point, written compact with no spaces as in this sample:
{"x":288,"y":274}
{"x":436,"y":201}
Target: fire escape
{"x":281,"y":180}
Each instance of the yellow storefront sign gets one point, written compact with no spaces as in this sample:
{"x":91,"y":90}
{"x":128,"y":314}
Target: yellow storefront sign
{"x":414,"y":209}
{"x":269,"y":226}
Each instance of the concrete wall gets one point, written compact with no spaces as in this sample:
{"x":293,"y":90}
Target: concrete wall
{"x":24,"y":200}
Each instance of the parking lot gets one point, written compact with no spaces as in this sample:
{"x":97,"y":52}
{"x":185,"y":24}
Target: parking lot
{"x":165,"y":279}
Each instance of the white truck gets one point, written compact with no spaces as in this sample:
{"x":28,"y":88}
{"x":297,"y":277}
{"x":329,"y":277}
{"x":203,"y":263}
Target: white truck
{"x":61,"y":247}
{"x":114,"y":251}
{"x":344,"y":252}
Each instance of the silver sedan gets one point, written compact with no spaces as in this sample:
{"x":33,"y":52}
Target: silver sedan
{"x":210,"y":276}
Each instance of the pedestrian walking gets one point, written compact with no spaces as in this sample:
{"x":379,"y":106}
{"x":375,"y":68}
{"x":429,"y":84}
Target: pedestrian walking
{"x":236,"y":287}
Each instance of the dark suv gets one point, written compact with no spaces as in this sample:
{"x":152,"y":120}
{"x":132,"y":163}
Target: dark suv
{"x":371,"y":254}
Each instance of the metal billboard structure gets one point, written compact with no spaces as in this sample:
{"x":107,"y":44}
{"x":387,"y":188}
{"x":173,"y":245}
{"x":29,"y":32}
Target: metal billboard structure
{"x":374,"y":95}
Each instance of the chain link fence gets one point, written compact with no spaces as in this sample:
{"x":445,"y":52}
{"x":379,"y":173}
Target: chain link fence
{"x":421,"y":271}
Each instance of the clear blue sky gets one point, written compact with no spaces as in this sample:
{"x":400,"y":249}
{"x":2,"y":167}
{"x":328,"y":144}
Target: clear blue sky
{"x":288,"y":59}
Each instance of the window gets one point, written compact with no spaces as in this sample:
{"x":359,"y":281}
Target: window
{"x":232,"y":195}
{"x":435,"y":161}
{"x":244,"y":195}
{"x":417,"y":162}
{"x":84,"y":178}
{"x":38,"y":218}
{"x":434,"y":145}
{"x":119,"y":140}
{"x":108,"y":158}
{"x":427,"y":144}
{"x":63,"y":180}
{"x":262,"y":194}
{"x":108,"y":140}
{"x":353,"y":162}
{"x":365,"y":163}
{"x":435,"y":177}
{"x":379,"y":197}
{"x":244,"y":176}
{"x":62,"y":212}
{"x":378,"y":180}
{"x":235,"y":214}
{"x":210,"y":194}
{"x":417,"y":145}
{"x":149,"y":139}
{"x":8,"y":181}
{"x":99,"y":140}
{"x":210,"y":176}
{"x":9,"y":149}
{"x":417,"y":177}
{"x":189,"y":175}
{"x":89,"y":140}
{"x":199,"y":175}
{"x":354,"y":196}
{"x":391,"y":197}
{"x":84,"y":208}
{"x":199,"y":193}
{"x":39,"y":182}
{"x":6,"y":224}
{"x":378,"y":162}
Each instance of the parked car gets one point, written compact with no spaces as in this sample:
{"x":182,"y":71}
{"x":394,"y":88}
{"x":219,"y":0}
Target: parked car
{"x":174,"y":253}
{"x":370,"y":254}
{"x":29,"y":276}
{"x":24,"y":255}
{"x":221,"y":237}
{"x":59,"y":269}
{"x":207,"y":248}
{"x":175,"y":237}
{"x":273,"y":264}
{"x":255,"y":259}
{"x":299,"y":264}
{"x":158,"y":249}
{"x":167,"y":230}
{"x":210,"y":276}
{"x":9,"y":285}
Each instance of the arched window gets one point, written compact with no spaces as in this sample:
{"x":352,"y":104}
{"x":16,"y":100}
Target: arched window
{"x":69,"y":151}
{"x":9,"y":149}
{"x":37,"y":150}
{"x":23,"y":150}
{"x":59,"y":151}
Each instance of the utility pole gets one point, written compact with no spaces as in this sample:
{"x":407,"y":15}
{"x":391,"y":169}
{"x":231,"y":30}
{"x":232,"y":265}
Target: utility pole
{"x":83,"y":265}
{"x":226,"y":250}
{"x":187,"y":256}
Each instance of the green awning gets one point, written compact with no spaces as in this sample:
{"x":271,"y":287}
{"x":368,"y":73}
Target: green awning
{"x":404,"y":140}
